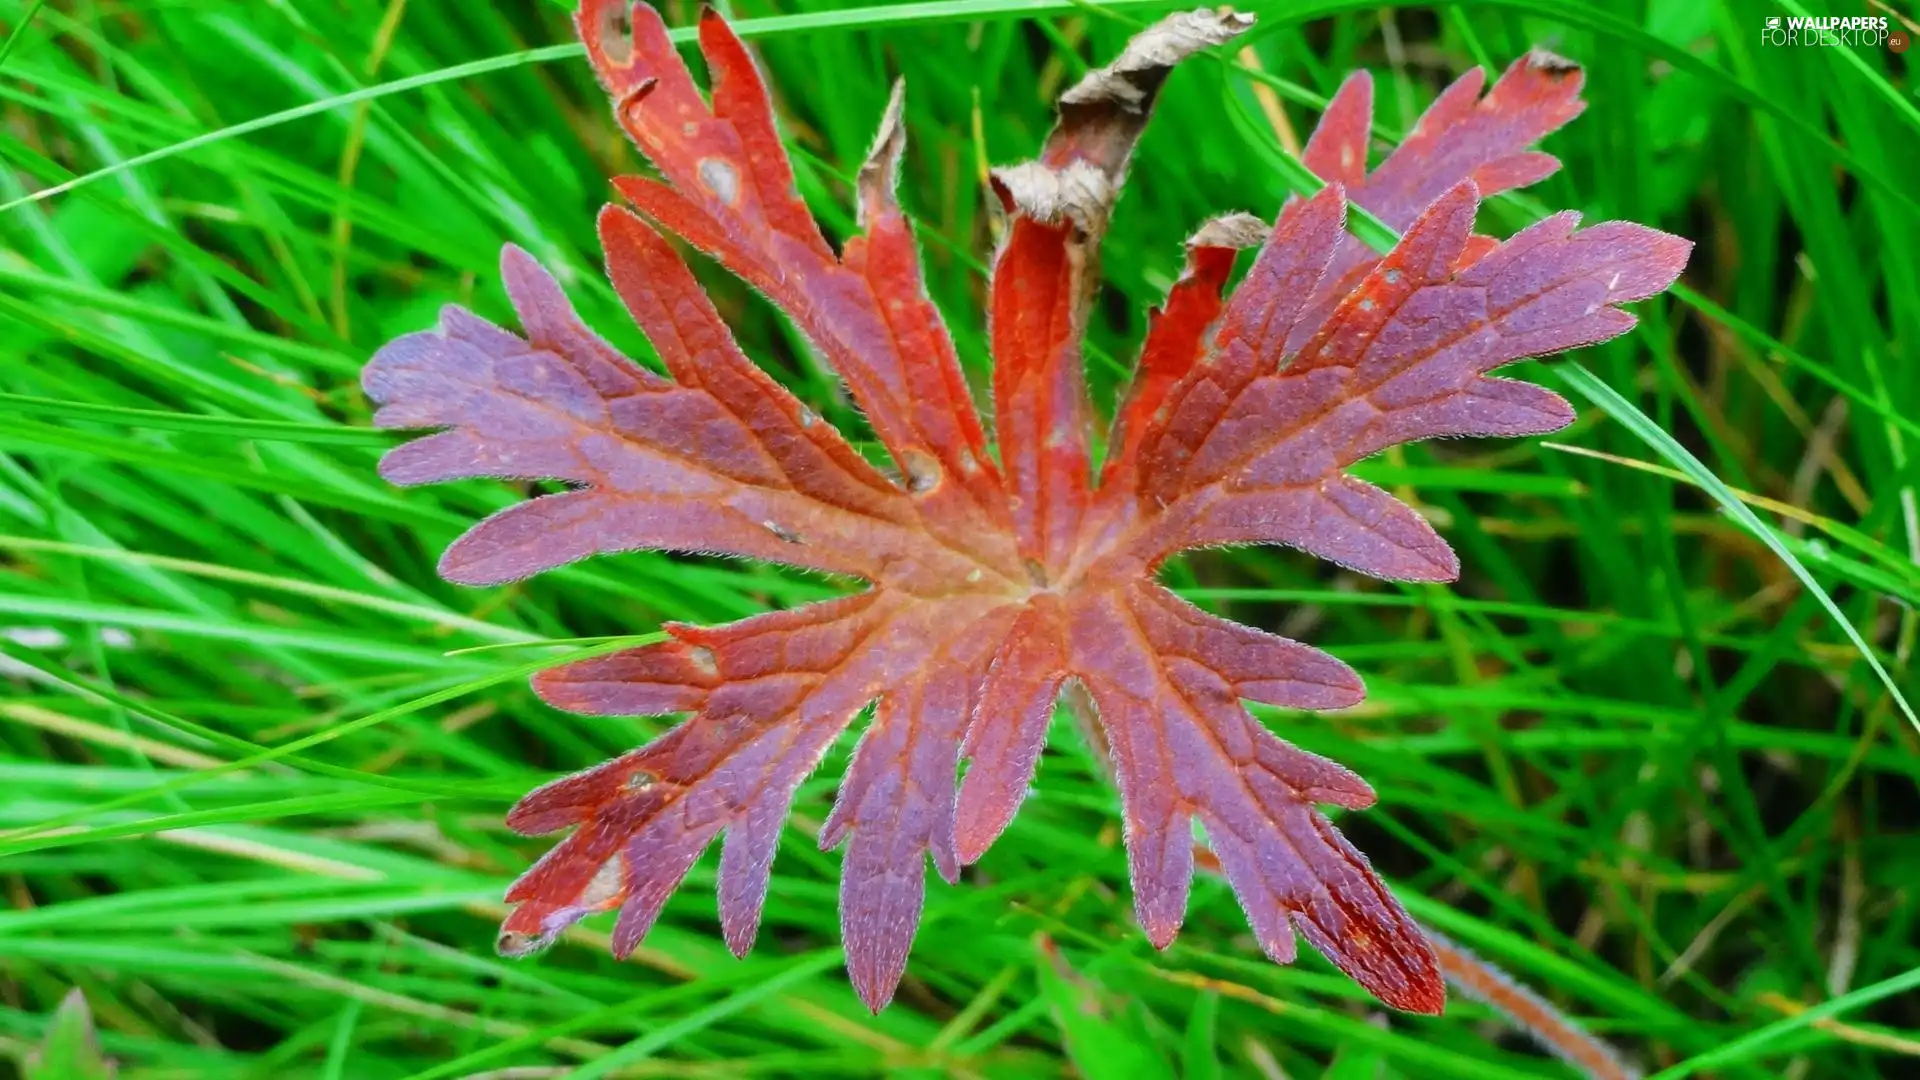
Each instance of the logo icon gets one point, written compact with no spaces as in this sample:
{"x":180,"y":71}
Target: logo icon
{"x":1773,"y":22}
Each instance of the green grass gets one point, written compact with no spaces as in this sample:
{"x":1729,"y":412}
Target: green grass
{"x":1654,"y":755}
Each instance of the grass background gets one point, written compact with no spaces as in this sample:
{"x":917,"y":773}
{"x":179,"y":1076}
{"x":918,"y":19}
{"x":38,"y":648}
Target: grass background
{"x":1648,"y":756}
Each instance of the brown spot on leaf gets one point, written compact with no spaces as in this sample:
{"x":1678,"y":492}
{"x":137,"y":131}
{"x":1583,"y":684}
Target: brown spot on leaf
{"x":615,"y":29}
{"x":719,"y":178}
{"x":923,"y":470}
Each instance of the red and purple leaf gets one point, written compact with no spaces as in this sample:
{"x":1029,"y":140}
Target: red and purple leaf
{"x":989,"y":588}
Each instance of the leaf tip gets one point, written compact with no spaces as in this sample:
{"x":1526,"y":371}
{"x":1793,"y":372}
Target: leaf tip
{"x":1380,"y":947}
{"x":514,"y":258}
{"x":1132,"y":79}
{"x":873,"y":982}
{"x":1424,"y":998}
{"x":461,"y":564}
{"x":1161,"y":933}
{"x":70,"y":1048}
{"x":975,"y":832}
{"x":556,"y":687}
{"x":1551,"y":64}
{"x":1235,"y":231}
{"x":880,"y":172}
{"x":1427,"y":568}
{"x":1343,"y":692}
{"x":739,"y":934}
